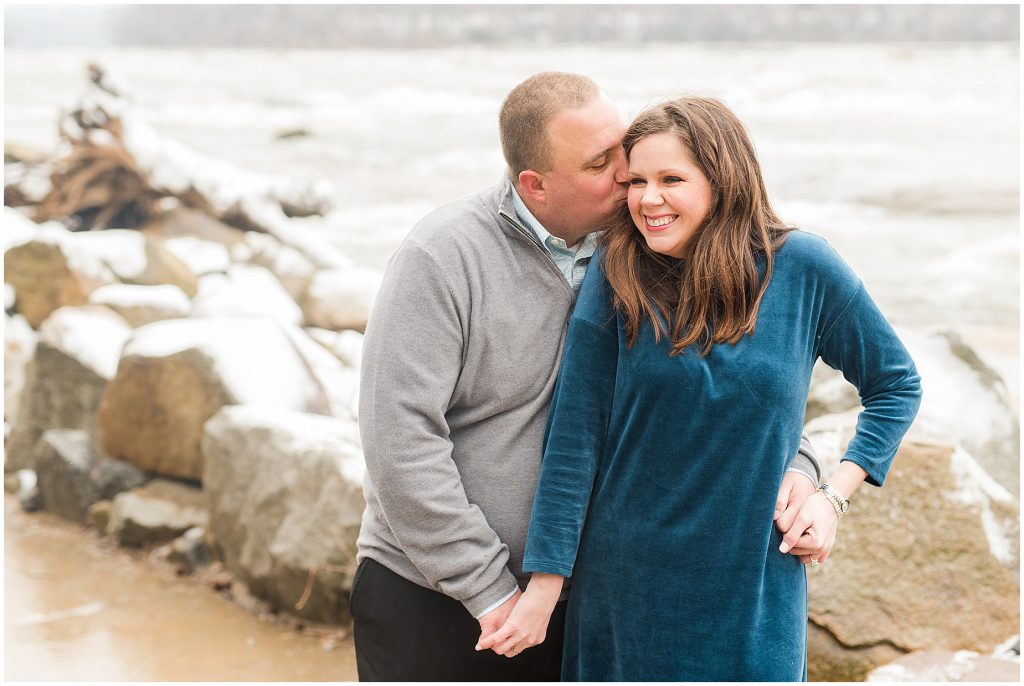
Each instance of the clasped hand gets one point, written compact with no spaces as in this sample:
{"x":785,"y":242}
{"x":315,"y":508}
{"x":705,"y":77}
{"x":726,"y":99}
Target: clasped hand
{"x":526,"y":624}
{"x":806,"y":519}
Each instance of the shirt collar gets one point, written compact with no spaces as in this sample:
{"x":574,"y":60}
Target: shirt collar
{"x":531,"y":222}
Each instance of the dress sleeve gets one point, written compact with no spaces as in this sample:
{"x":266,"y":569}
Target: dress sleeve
{"x":576,"y":433}
{"x":860,"y":342}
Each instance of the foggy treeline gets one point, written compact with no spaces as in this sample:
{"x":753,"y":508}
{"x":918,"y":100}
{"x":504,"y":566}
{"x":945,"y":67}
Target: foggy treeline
{"x":440,"y":25}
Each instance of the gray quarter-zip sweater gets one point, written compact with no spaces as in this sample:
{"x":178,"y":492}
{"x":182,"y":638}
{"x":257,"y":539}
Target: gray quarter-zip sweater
{"x":459,"y":363}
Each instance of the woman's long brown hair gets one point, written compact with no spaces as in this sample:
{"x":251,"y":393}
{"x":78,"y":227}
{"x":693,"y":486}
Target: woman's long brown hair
{"x":713,"y":295}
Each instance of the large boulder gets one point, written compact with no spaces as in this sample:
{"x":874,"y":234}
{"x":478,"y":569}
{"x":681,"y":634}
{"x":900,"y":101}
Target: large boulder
{"x":341,"y":298}
{"x":285,"y":497}
{"x":48,"y":271}
{"x":158,"y":512}
{"x":141,"y":305}
{"x":245,"y":291}
{"x":75,"y":357}
{"x":965,"y":401}
{"x":72,"y":475}
{"x":175,"y":375}
{"x":928,"y":562}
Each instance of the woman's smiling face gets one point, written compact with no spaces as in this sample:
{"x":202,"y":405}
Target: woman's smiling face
{"x":669,"y":197}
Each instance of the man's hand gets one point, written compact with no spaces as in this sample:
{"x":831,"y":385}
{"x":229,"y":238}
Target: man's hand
{"x":493,"y":620}
{"x":794,"y":490}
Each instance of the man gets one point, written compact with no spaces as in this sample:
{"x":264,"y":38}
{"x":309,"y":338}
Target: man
{"x":459,"y":363}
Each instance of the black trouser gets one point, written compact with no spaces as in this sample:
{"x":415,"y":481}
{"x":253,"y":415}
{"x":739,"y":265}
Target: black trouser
{"x":404,"y":632}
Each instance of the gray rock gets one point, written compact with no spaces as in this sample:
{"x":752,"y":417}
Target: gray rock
{"x":946,"y":665}
{"x":30,"y":499}
{"x":75,"y":357}
{"x":116,"y":476}
{"x":191,"y":550}
{"x":73,"y":476}
{"x":64,"y":459}
{"x":99,"y":515}
{"x":930,"y":562}
{"x":156,"y":513}
{"x":285,"y":497}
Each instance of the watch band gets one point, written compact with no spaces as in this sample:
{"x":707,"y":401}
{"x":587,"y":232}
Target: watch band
{"x":840,"y":503}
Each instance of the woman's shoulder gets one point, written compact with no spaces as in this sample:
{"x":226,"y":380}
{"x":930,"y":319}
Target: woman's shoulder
{"x":807,"y":255}
{"x":807,"y":246}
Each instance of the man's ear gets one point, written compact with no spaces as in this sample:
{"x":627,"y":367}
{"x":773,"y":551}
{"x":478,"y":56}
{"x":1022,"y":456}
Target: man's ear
{"x":531,"y":185}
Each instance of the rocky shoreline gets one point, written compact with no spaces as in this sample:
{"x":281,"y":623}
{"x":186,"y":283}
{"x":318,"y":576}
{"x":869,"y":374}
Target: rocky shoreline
{"x":183,"y":378}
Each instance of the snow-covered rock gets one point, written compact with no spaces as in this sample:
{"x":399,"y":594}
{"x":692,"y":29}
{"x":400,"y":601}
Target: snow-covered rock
{"x":176,"y":374}
{"x":200,"y":256}
{"x":965,"y":402}
{"x":136,"y":257}
{"x":19,"y":347}
{"x":340,"y":383}
{"x":292,"y":268}
{"x":341,"y":298}
{"x":928,"y":562}
{"x":157,"y":512}
{"x":284,"y":493}
{"x":75,"y":356}
{"x":349,"y":348}
{"x":48,"y":271}
{"x":245,"y":290}
{"x":20,"y":229}
{"x":140,"y":305}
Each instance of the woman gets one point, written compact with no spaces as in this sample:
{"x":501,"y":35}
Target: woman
{"x":680,"y":397}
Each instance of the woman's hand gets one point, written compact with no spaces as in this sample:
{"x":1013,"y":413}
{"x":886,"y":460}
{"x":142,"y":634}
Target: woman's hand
{"x":527,"y":626}
{"x":814,"y":531}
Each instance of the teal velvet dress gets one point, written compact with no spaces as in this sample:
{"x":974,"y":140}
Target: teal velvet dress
{"x":660,"y":474}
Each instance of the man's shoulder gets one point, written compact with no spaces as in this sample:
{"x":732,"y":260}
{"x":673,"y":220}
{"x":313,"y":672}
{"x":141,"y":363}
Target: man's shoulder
{"x":470,"y":219}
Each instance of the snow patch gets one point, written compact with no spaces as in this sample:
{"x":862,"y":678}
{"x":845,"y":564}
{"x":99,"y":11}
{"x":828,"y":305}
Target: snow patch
{"x":976,"y":488}
{"x":93,"y":336}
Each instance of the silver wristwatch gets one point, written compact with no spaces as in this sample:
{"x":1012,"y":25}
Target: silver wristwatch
{"x":840,"y":503}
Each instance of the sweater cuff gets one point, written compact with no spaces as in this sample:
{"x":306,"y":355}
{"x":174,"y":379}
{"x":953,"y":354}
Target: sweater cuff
{"x":497,"y":604}
{"x":492,"y":596}
{"x":813,"y":479}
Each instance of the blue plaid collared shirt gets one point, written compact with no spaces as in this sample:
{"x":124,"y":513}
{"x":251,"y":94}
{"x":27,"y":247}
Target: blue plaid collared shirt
{"x":571,"y":261}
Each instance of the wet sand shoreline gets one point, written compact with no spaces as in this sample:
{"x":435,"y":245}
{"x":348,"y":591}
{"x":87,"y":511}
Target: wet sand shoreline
{"x":79,"y":608}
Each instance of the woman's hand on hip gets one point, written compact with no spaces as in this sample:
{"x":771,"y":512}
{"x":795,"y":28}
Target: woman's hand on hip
{"x":814,"y":530}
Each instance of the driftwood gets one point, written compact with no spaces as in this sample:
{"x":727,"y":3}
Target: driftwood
{"x":113,"y":169}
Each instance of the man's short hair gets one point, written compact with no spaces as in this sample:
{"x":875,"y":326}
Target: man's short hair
{"x":528,"y":109}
